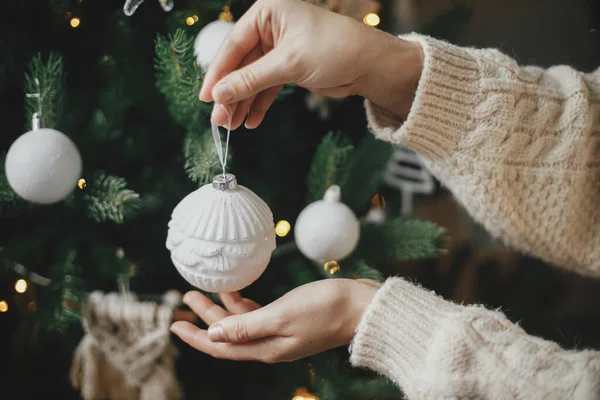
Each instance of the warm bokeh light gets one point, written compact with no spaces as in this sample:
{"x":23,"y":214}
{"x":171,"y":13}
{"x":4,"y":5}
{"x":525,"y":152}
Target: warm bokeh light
{"x":282,"y":228}
{"x":195,"y":18}
{"x":74,"y":22}
{"x":303,"y":394}
{"x":371,"y":19}
{"x":3,"y":306}
{"x":190,"y":21}
{"x":81,"y":183}
{"x":331,"y":266}
{"x":21,"y":286}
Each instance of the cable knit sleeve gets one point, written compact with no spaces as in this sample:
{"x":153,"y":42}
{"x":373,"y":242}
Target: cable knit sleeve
{"x":519,"y":147}
{"x":434,"y":349}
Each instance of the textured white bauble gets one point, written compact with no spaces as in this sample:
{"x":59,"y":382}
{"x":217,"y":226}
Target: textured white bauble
{"x":43,"y":166}
{"x":209,"y":40}
{"x":221,"y":236}
{"x":327,"y":230}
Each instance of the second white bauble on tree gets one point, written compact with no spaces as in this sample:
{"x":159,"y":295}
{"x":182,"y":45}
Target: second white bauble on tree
{"x":327,"y":230}
{"x":209,"y":40}
{"x":221,"y":236}
{"x":43,"y":166}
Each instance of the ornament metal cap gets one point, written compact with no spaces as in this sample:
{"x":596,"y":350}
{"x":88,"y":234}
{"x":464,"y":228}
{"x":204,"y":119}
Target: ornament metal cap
{"x":224,"y":182}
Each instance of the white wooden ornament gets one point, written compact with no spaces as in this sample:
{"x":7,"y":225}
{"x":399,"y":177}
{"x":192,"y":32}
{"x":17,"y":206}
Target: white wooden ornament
{"x":221,"y":236}
{"x":327,"y":230}
{"x":406,"y":172}
{"x":209,"y":40}
{"x":43,"y":166}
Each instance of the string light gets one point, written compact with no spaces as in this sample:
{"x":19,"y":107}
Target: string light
{"x":371,"y":19}
{"x":21,"y":286}
{"x":282,"y":228}
{"x":81,"y":183}
{"x":331,"y":266}
{"x":190,"y":21}
{"x":303,"y":394}
{"x":120,"y":253}
{"x":74,"y":22}
{"x":3,"y":306}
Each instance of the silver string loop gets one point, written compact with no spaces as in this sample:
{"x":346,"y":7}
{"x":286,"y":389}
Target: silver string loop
{"x":217,"y":137}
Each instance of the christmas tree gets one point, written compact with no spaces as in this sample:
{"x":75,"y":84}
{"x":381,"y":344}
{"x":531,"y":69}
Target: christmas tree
{"x":124,"y":89}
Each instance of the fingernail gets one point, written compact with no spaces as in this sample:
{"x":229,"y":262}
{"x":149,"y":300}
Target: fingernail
{"x":216,"y":333}
{"x":176,"y":329}
{"x":187,"y":297}
{"x":223,"y":92}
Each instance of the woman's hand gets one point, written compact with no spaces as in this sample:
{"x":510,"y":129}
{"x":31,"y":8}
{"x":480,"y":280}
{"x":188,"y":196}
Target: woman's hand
{"x":309,"y":319}
{"x":290,"y":41}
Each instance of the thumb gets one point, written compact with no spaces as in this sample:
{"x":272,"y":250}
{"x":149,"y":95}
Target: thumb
{"x":265,"y":72}
{"x":242,"y":327}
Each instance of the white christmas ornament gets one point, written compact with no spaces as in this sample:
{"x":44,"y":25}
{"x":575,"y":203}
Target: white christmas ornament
{"x":327,"y":230}
{"x":221,"y":236}
{"x":43,"y":166}
{"x":210,"y":39}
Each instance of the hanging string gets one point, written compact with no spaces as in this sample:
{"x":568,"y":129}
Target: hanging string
{"x":217,"y":137}
{"x":37,"y":116}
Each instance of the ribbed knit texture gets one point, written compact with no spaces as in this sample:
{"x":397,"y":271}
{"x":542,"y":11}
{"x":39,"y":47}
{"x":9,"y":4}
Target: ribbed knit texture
{"x":519,"y":147}
{"x":433,"y":349}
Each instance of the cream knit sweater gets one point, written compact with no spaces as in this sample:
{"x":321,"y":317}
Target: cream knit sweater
{"x":519,"y":147}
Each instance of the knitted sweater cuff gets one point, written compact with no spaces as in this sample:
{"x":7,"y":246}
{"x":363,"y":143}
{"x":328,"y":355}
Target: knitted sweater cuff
{"x":446,"y":96}
{"x":395,"y":334}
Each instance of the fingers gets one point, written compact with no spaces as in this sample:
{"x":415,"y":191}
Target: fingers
{"x":259,"y":108}
{"x":236,"y":304}
{"x":268,"y":71}
{"x":259,"y":350}
{"x":204,"y":307}
{"x":240,"y":41}
{"x":244,"y":327}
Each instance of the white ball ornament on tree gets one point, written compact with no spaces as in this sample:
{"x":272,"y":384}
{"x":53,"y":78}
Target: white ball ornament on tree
{"x":43,"y":166}
{"x":211,"y":37}
{"x":327,"y":229}
{"x":221,"y":236}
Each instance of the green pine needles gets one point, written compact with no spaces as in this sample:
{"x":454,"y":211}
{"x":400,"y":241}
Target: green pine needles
{"x":201,"y":157}
{"x":329,"y":165}
{"x":179,"y":79}
{"x":109,"y":199}
{"x":44,"y":91}
{"x":402,"y":240}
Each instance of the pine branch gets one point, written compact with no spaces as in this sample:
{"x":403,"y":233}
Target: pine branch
{"x":44,"y":90}
{"x":10,"y":203}
{"x":400,"y":240}
{"x":109,"y":199}
{"x":363,"y":271}
{"x":179,"y":79}
{"x":64,"y":297}
{"x":366,"y":169}
{"x":201,"y":157}
{"x":329,"y":165}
